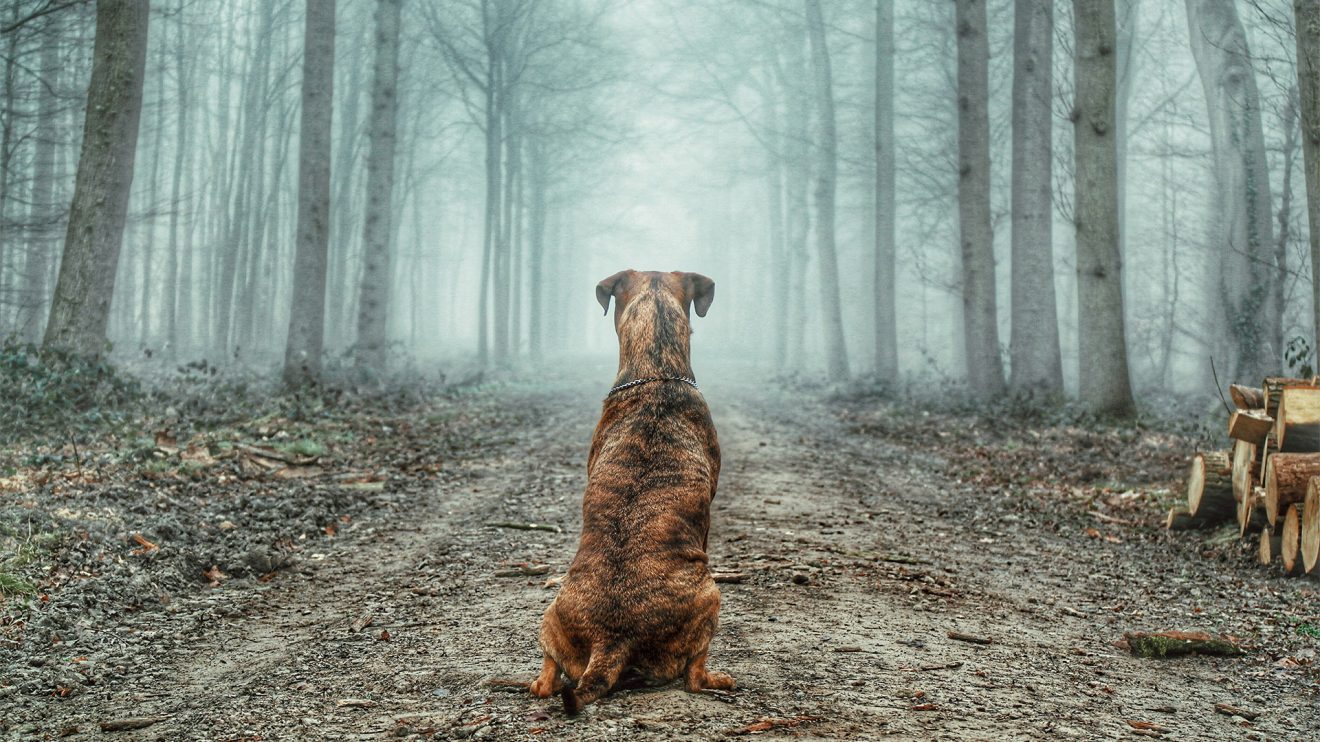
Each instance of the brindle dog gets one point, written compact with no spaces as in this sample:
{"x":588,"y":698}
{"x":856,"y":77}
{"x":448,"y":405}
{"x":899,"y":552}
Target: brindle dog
{"x":638,"y":594}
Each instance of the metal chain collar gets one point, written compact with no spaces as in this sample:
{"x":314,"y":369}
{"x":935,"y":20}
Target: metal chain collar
{"x":636,"y":382}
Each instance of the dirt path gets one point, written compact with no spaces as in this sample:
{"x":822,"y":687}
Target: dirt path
{"x":894,"y":550}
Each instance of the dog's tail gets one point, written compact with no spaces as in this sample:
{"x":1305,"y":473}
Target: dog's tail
{"x":603,"y":669}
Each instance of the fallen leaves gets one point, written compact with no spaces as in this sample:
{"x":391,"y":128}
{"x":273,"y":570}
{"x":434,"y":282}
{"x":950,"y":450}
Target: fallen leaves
{"x":1230,"y":710}
{"x":969,"y":638}
{"x":523,"y":569}
{"x":145,"y":546}
{"x":768,"y":723}
{"x":1147,"y":726}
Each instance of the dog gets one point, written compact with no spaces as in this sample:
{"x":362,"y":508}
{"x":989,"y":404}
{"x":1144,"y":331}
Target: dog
{"x":639,"y":595}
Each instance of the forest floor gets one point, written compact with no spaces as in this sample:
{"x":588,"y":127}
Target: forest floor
{"x":328,"y":569}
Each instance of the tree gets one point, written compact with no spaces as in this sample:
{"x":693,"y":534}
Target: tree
{"x":886,"y":320}
{"x":1307,"y":17}
{"x":1036,"y":364}
{"x":985,"y":373}
{"x":1240,"y":216}
{"x":1104,"y":385}
{"x":373,"y":306}
{"x":302,"y":353}
{"x":81,"y":306}
{"x":836,"y":352}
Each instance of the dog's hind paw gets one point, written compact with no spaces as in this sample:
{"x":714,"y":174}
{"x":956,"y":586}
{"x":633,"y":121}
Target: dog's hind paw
{"x":719,"y":681}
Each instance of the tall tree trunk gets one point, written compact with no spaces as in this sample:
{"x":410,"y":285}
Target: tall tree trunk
{"x":8,"y":112}
{"x":86,"y":282}
{"x":1036,"y":363}
{"x":1127,"y":16}
{"x":302,"y":353}
{"x":1241,"y":219}
{"x":985,"y":372}
{"x":1104,"y":387}
{"x":504,"y":253}
{"x":836,"y":351}
{"x":1307,"y":14}
{"x":239,"y":235}
{"x":494,"y":142}
{"x":537,"y":183}
{"x":182,"y":154}
{"x":44,"y":213}
{"x":886,"y":284}
{"x":776,"y":233}
{"x":341,"y":278}
{"x":797,"y":184}
{"x":149,"y":286}
{"x":374,"y":304}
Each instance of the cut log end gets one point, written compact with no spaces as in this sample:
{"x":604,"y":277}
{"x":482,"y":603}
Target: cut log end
{"x":1289,"y":541}
{"x":1310,"y":527}
{"x":1268,"y":550}
{"x":1210,"y":486}
{"x":1287,"y":476}
{"x":1246,"y":397}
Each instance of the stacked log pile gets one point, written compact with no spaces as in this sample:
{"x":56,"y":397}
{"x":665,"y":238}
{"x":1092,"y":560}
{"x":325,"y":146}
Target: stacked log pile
{"x":1269,"y":478}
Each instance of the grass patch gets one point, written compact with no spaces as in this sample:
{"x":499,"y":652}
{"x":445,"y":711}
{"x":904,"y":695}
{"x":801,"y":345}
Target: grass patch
{"x":14,"y":586}
{"x":301,"y":447}
{"x":1309,"y":629}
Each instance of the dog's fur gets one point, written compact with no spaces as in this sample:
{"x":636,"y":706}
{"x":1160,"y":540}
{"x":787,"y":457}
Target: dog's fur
{"x":638,"y":594}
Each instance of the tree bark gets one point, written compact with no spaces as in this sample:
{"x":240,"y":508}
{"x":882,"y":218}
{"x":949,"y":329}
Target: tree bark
{"x":306,"y":340}
{"x":1240,"y":218}
{"x":985,"y":372}
{"x":1286,"y":478}
{"x":1104,"y":386}
{"x":86,"y":283}
{"x":44,"y":213}
{"x":169,"y":321}
{"x":374,"y":301}
{"x":886,"y":284}
{"x":836,"y":351}
{"x":1036,"y":363}
{"x":1307,"y":16}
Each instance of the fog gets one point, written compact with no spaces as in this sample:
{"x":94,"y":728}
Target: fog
{"x":539,"y":147}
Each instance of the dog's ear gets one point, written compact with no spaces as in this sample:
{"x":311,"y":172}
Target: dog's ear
{"x":700,"y":291}
{"x":607,"y":288}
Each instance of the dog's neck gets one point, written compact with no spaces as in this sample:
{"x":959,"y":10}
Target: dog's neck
{"x":654,"y":339}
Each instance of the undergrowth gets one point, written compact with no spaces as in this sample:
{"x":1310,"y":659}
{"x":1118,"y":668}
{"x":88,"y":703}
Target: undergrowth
{"x":55,"y":394}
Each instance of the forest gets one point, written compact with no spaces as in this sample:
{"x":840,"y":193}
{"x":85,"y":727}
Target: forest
{"x":300,"y":359}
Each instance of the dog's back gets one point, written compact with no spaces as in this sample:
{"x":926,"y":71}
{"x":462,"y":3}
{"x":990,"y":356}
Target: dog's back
{"x":638,"y":592}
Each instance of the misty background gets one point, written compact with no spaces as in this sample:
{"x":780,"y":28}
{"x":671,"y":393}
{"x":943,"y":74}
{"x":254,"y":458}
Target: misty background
{"x":541,"y":146}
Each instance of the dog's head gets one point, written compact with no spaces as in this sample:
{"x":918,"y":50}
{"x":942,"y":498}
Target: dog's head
{"x":687,"y":290}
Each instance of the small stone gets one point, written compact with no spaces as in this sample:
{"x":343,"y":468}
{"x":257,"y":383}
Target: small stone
{"x":800,"y":578}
